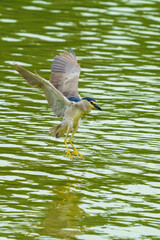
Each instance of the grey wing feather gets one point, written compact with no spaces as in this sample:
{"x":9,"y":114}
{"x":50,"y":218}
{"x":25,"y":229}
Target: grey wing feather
{"x":65,"y":74}
{"x":56,"y":100}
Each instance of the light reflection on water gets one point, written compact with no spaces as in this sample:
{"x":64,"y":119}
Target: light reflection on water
{"x":114,"y":192}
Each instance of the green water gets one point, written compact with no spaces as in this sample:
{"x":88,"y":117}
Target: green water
{"x":113,"y":193}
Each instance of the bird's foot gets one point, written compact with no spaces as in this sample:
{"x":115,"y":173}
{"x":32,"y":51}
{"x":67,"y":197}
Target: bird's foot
{"x":69,"y":153}
{"x":75,"y":150}
{"x":78,"y":154}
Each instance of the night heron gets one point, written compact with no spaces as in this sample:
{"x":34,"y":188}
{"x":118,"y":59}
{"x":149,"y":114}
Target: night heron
{"x":62,"y":95}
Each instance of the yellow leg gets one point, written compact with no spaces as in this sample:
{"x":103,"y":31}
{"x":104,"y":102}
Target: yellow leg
{"x":76,"y":151}
{"x":67,"y":152}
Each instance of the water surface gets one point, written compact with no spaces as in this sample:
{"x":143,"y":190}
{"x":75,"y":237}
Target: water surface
{"x":114,"y":192}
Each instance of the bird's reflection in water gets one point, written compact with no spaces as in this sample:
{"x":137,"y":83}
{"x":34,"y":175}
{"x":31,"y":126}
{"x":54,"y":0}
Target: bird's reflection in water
{"x":63,"y":217}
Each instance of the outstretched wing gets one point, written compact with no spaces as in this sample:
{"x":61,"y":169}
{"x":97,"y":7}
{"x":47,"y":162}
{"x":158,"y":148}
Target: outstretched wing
{"x":56,"y":100}
{"x":65,"y":74}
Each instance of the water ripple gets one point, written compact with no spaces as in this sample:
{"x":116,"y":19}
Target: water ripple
{"x":114,"y":192}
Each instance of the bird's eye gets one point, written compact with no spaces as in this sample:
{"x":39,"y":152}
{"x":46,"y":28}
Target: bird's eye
{"x":92,"y":102}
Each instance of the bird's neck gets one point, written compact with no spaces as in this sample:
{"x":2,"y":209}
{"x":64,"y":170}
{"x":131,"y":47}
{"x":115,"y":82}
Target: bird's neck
{"x":84,"y":106}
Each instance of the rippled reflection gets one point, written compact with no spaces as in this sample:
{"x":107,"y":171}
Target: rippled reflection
{"x":114,"y":192}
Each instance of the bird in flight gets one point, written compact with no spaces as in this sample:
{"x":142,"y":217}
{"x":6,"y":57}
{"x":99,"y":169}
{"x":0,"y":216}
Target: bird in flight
{"x":62,"y":95}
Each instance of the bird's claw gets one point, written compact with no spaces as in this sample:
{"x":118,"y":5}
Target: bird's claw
{"x":75,"y":150}
{"x":78,"y":154}
{"x":75,"y":153}
{"x":68,"y":153}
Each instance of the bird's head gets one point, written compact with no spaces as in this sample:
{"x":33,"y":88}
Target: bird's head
{"x":92,"y":102}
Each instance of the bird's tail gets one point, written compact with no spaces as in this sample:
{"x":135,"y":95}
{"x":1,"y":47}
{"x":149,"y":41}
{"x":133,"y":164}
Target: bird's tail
{"x":58,"y":131}
{"x":33,"y":80}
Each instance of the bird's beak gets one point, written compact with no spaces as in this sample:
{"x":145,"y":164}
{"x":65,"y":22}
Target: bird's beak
{"x":97,"y":107}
